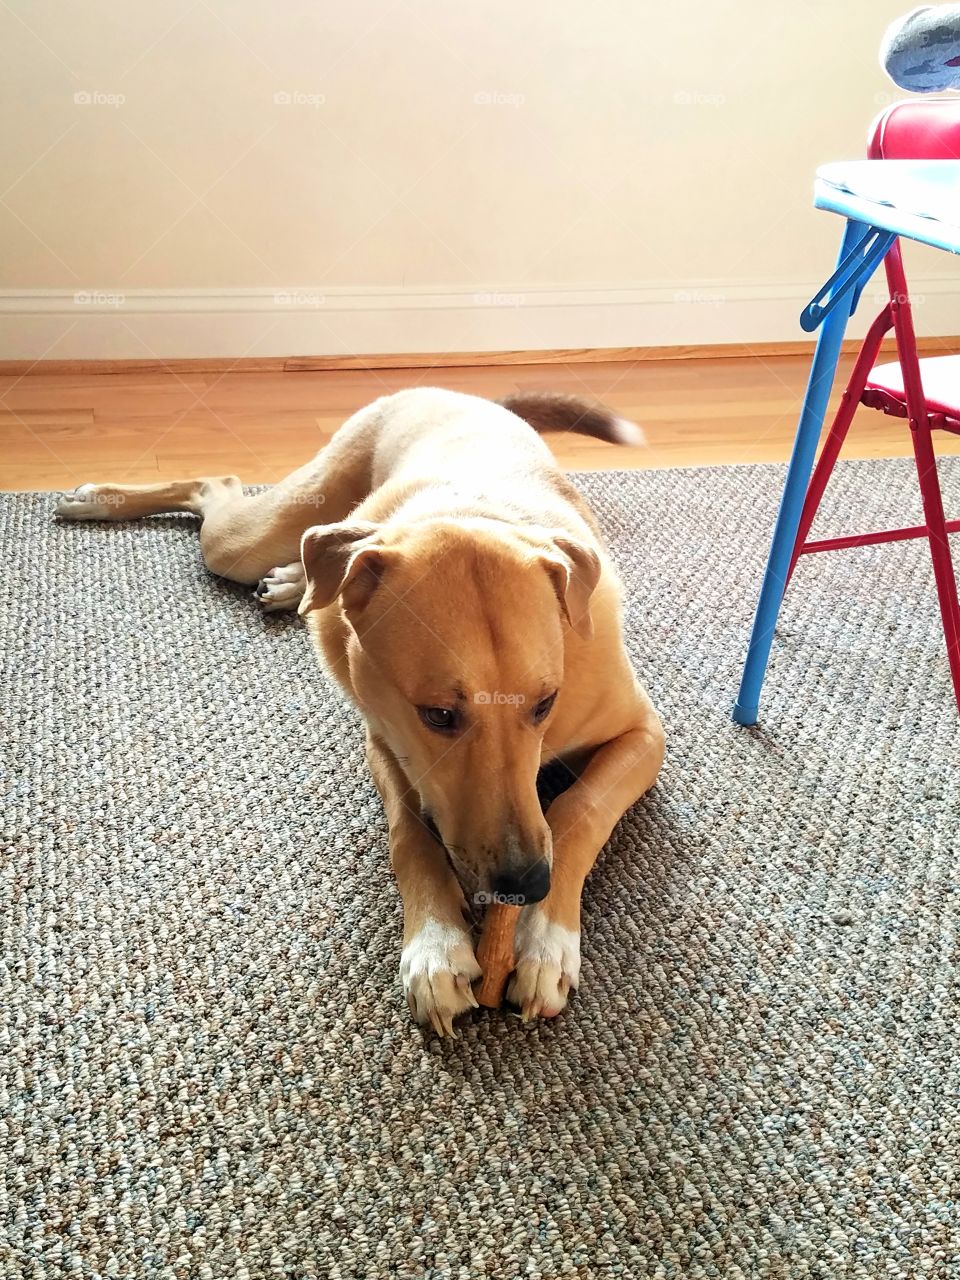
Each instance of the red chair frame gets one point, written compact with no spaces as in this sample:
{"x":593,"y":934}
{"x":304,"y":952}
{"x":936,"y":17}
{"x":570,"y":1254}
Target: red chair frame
{"x":913,"y":130}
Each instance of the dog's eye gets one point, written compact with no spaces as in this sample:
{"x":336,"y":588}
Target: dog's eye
{"x":542,"y":709}
{"x":441,"y":718}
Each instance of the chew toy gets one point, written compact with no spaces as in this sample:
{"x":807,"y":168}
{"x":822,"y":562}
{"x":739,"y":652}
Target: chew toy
{"x":495,"y":953}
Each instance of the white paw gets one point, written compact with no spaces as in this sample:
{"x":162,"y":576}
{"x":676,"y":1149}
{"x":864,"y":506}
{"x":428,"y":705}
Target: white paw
{"x":84,"y":504}
{"x":548,"y":965}
{"x":282,"y":588}
{"x":438,"y":969}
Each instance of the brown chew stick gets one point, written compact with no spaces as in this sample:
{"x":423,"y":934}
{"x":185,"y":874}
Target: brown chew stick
{"x":495,"y":954}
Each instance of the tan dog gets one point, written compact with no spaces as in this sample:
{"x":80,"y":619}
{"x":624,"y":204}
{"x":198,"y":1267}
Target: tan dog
{"x":460,"y":594}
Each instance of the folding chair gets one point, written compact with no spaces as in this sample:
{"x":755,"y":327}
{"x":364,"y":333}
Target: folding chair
{"x":926,"y":393}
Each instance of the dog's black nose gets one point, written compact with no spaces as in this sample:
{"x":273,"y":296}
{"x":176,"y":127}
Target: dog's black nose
{"x":524,"y":884}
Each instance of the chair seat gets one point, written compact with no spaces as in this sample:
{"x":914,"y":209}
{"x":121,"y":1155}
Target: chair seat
{"x":940,"y":376}
{"x":919,"y":199}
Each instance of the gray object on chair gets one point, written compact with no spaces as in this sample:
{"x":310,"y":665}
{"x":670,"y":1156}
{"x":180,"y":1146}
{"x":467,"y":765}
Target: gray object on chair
{"x":920,"y":52}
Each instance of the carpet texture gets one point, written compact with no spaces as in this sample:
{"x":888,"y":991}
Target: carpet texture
{"x":206,"y":1066}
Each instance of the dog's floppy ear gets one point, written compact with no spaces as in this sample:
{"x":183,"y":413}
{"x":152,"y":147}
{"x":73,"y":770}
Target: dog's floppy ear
{"x":340,"y":560}
{"x":574,"y":570}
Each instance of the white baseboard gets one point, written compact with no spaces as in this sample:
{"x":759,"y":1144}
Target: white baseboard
{"x":207,"y":323}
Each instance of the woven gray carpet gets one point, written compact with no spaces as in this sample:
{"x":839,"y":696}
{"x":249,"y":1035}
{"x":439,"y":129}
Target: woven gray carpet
{"x":207,"y":1070}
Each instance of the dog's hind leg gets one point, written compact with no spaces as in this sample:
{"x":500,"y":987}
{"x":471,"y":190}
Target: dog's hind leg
{"x":245,"y":536}
{"x":131,"y":501}
{"x":242,"y":536}
{"x":228,"y":533}
{"x":282,"y":588}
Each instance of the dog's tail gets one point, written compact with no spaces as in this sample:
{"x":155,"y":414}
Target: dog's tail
{"x":546,"y":411}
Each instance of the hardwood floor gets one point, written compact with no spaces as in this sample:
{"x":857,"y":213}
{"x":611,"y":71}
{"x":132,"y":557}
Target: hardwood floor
{"x":61,"y":430}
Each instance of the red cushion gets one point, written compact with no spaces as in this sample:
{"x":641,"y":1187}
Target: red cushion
{"x":917,"y":129}
{"x":940,"y":376}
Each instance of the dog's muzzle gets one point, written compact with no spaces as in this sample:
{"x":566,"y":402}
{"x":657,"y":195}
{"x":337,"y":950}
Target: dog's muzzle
{"x":524,"y":885}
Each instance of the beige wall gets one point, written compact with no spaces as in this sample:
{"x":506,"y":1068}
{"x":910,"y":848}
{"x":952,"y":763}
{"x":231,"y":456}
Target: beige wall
{"x":601,"y":168}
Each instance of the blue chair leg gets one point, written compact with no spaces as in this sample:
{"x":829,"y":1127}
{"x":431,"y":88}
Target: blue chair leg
{"x":819,"y":386}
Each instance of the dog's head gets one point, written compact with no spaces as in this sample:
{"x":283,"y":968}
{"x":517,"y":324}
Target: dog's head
{"x":455,"y":648}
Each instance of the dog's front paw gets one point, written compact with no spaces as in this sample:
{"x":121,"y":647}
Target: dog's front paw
{"x":548,"y":965}
{"x":438,"y":969}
